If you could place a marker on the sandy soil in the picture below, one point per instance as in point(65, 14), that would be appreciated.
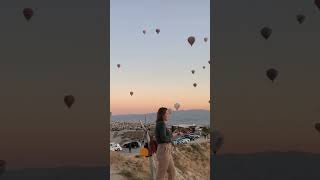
point(192, 162)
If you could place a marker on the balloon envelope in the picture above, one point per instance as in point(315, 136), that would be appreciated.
point(158, 31)
point(191, 40)
point(28, 13)
point(177, 106)
point(218, 140)
point(118, 65)
point(193, 71)
point(195, 84)
point(317, 3)
point(203, 67)
point(144, 31)
point(317, 127)
point(301, 18)
point(2, 166)
point(131, 93)
point(205, 39)
point(266, 32)
point(69, 100)
point(272, 74)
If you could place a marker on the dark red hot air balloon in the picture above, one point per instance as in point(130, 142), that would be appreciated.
point(28, 13)
point(158, 31)
point(266, 32)
point(301, 18)
point(203, 67)
point(272, 74)
point(69, 100)
point(317, 127)
point(193, 71)
point(218, 140)
point(131, 93)
point(191, 40)
point(2, 167)
point(205, 39)
point(317, 3)
point(194, 84)
point(144, 31)
point(118, 65)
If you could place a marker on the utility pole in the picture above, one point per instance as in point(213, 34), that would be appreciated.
point(145, 119)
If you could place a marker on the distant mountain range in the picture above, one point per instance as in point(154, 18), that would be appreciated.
point(268, 166)
point(196, 116)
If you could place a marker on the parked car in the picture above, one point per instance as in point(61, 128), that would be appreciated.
point(115, 147)
point(176, 140)
point(191, 137)
point(183, 141)
point(194, 135)
point(134, 144)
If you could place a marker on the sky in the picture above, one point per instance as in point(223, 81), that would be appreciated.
point(253, 113)
point(157, 67)
point(60, 51)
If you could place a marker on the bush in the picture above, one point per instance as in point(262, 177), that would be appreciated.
point(205, 130)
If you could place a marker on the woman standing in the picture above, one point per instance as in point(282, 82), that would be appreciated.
point(164, 149)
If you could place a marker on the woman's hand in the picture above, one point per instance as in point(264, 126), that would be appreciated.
point(174, 134)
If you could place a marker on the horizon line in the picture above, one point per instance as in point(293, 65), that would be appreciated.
point(156, 112)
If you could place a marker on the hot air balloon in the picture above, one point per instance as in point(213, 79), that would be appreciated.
point(144, 31)
point(205, 39)
point(317, 2)
point(177, 106)
point(28, 13)
point(191, 40)
point(203, 67)
point(131, 93)
point(301, 18)
point(218, 140)
point(266, 32)
point(195, 84)
point(118, 65)
point(69, 100)
point(2, 166)
point(193, 71)
point(272, 74)
point(209, 61)
point(317, 126)
point(158, 31)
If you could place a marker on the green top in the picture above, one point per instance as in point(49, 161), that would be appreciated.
point(163, 135)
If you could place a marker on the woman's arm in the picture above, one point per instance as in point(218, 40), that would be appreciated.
point(163, 133)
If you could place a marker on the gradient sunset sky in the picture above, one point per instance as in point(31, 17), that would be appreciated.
point(157, 67)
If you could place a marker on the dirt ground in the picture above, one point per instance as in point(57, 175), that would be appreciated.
point(192, 162)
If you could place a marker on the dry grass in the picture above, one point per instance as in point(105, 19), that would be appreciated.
point(133, 135)
point(191, 162)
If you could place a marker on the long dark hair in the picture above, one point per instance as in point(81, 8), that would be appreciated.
point(161, 112)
